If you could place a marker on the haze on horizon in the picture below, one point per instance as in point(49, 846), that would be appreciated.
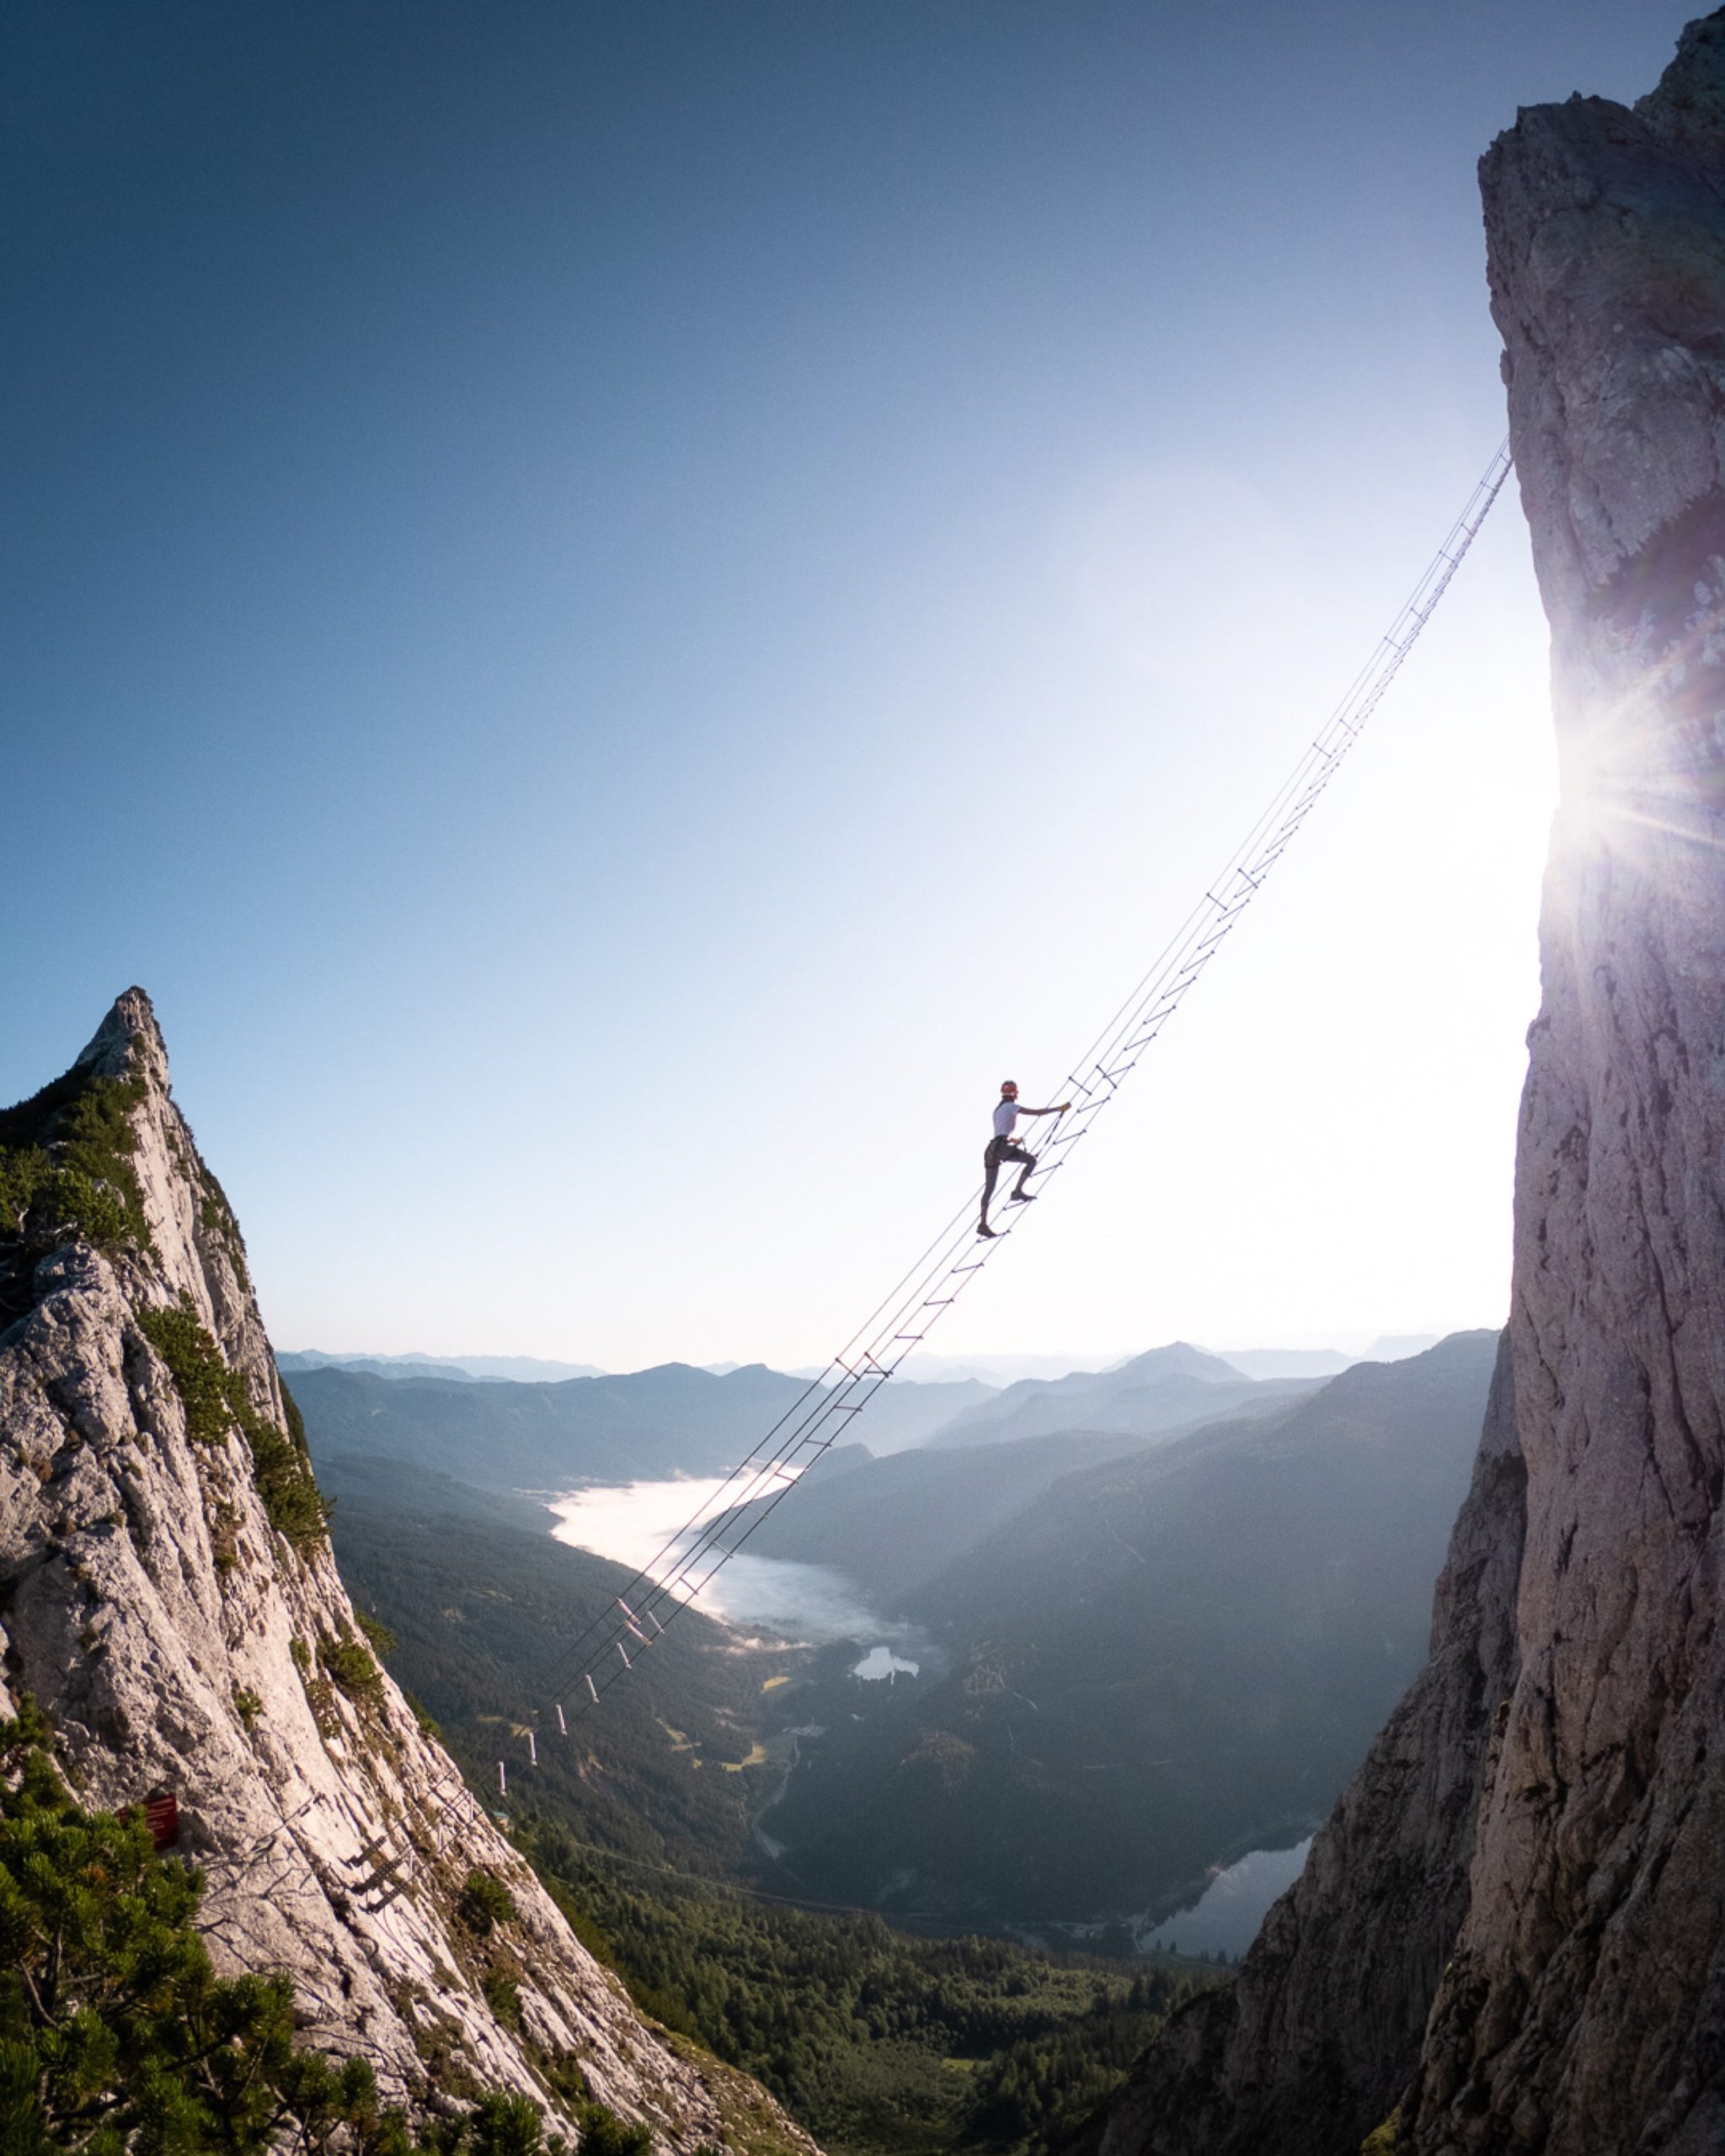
point(620, 610)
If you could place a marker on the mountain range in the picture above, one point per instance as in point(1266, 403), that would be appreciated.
point(1244, 1566)
point(1164, 1389)
point(523, 1369)
point(674, 1420)
point(1144, 1667)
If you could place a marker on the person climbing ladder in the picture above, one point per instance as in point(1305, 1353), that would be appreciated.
point(610, 1646)
point(1001, 1148)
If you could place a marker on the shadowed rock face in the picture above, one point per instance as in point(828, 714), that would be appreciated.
point(1583, 2009)
point(1533, 1849)
point(180, 1640)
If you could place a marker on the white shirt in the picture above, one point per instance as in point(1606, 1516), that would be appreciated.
point(1005, 1118)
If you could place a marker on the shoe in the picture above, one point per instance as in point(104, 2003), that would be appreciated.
point(985, 1229)
point(1023, 1198)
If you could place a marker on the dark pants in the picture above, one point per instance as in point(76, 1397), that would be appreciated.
point(996, 1150)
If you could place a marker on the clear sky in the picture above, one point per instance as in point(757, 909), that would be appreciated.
point(620, 607)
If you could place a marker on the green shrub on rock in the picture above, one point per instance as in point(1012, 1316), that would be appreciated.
point(603, 2133)
point(485, 1902)
point(349, 1662)
point(66, 1163)
point(217, 1402)
point(199, 1375)
point(115, 2032)
point(117, 2037)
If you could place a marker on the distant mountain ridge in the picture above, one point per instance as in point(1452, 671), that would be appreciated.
point(648, 1425)
point(893, 1525)
point(518, 1369)
point(1289, 1362)
point(1164, 1390)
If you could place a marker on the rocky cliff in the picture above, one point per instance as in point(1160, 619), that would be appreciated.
point(167, 1592)
point(1511, 1936)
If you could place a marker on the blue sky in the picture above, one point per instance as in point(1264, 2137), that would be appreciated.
point(621, 608)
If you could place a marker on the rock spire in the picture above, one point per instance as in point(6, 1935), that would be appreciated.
point(167, 1592)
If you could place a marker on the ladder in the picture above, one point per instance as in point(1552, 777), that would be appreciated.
point(955, 1260)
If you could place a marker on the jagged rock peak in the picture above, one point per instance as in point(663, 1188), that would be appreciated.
point(168, 1594)
point(129, 1038)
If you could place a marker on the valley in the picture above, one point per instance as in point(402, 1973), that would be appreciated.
point(1117, 1661)
point(1082, 1691)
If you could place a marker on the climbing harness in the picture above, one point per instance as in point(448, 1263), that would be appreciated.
point(636, 1619)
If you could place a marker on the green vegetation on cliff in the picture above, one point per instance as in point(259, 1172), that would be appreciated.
point(215, 1401)
point(65, 1164)
point(477, 1611)
point(117, 2038)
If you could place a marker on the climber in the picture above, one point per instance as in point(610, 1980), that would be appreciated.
point(1001, 1148)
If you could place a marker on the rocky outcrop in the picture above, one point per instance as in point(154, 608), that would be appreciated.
point(1512, 1934)
point(1315, 2042)
point(168, 1594)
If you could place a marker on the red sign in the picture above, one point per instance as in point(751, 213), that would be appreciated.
point(162, 1818)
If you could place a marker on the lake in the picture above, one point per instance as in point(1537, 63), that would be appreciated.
point(1226, 1917)
point(637, 1523)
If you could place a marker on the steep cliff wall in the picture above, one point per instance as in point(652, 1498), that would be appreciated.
point(168, 1594)
point(1532, 1850)
point(1585, 2006)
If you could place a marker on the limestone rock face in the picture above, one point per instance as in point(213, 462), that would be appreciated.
point(182, 1643)
point(1513, 1930)
point(1585, 2006)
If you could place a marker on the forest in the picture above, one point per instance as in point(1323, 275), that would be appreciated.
point(879, 2042)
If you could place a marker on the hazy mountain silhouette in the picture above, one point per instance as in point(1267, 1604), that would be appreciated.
point(894, 1524)
point(1291, 1361)
point(1156, 1664)
point(1165, 1389)
point(673, 1420)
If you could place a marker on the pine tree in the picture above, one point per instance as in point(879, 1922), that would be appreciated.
point(117, 2037)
